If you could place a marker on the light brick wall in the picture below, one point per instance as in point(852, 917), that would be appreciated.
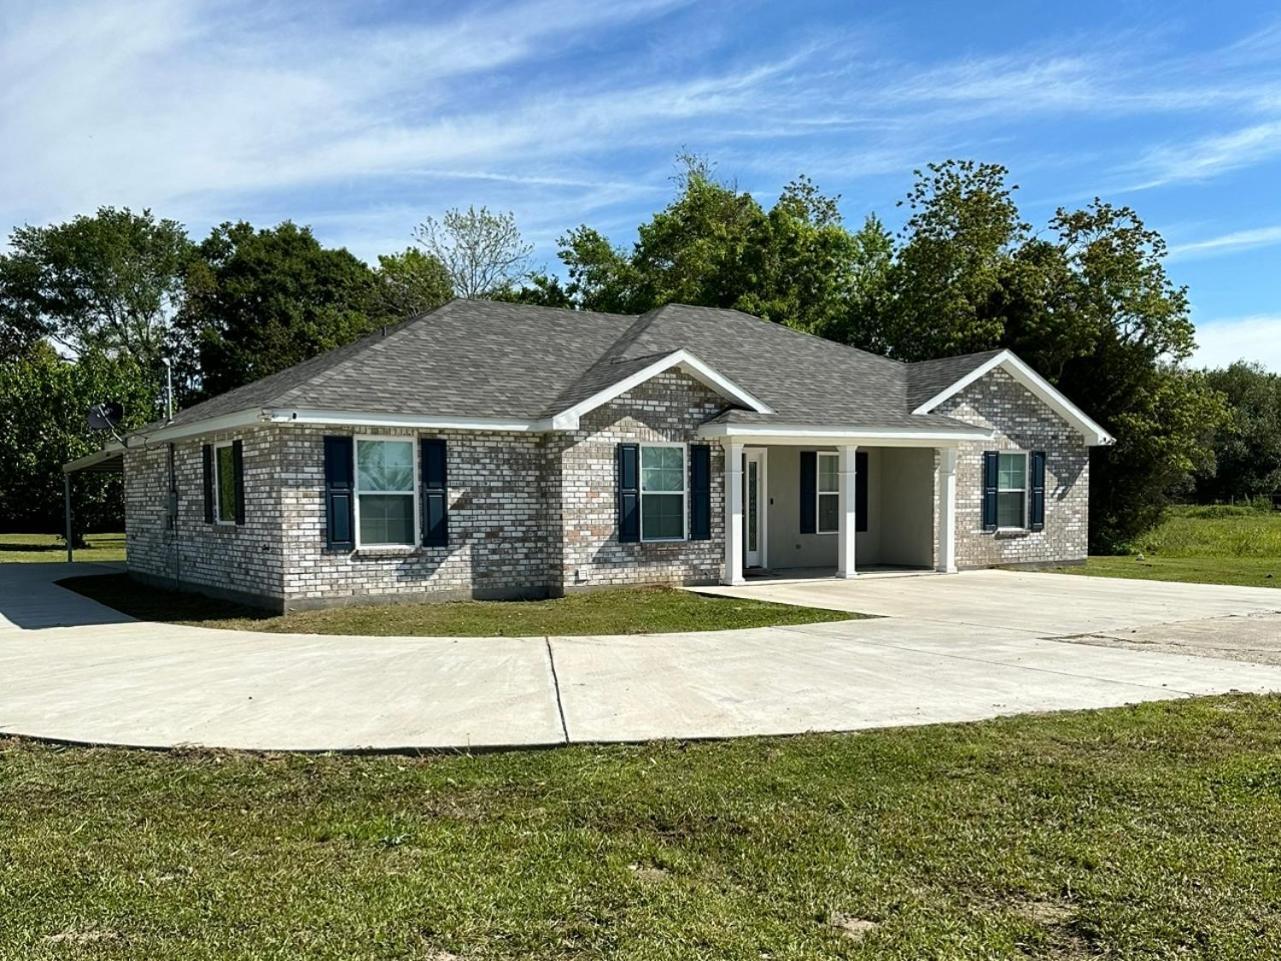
point(1022, 423)
point(582, 497)
point(497, 531)
point(533, 514)
point(231, 559)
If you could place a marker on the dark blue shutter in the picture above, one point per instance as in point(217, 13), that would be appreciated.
point(238, 465)
point(860, 490)
point(991, 475)
point(433, 458)
point(700, 492)
point(206, 463)
point(339, 497)
point(1036, 500)
point(809, 491)
point(628, 493)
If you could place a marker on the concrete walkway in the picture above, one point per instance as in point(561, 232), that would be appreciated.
point(947, 649)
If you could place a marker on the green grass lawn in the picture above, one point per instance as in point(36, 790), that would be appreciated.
point(1208, 545)
point(50, 549)
point(1144, 832)
point(642, 610)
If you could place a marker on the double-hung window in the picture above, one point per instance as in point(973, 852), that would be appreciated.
point(828, 492)
point(662, 492)
point(225, 483)
point(385, 492)
point(1011, 491)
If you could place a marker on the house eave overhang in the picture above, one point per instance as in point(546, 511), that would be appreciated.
point(805, 435)
point(683, 360)
point(1094, 435)
point(364, 418)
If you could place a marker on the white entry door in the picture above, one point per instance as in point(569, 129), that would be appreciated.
point(754, 508)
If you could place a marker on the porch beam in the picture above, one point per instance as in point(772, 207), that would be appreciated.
point(847, 530)
point(947, 510)
point(733, 573)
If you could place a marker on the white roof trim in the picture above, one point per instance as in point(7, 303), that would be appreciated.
point(1094, 435)
point(683, 359)
point(364, 418)
point(869, 436)
point(240, 418)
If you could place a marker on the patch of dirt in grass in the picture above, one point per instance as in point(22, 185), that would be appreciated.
point(1066, 943)
point(854, 928)
point(650, 873)
point(90, 935)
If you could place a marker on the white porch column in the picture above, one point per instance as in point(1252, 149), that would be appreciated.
point(846, 532)
point(947, 511)
point(733, 514)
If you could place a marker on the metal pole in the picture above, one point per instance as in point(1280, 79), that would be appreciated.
point(66, 503)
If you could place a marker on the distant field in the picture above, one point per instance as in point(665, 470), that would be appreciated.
point(1207, 545)
point(49, 548)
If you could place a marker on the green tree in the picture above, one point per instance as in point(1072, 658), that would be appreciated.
point(258, 301)
point(44, 402)
point(110, 282)
point(963, 229)
point(1247, 445)
point(410, 283)
point(1089, 305)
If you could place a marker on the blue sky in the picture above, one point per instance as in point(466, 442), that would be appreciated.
point(362, 119)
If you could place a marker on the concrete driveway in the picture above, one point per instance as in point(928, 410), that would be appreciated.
point(951, 648)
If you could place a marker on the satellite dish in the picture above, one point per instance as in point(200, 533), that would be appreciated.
point(105, 416)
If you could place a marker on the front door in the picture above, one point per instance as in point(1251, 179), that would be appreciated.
point(754, 508)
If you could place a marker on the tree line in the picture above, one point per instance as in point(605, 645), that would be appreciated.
point(94, 307)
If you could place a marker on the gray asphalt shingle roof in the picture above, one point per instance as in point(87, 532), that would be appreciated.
point(472, 358)
point(928, 377)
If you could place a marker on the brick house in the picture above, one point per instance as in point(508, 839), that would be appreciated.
point(497, 450)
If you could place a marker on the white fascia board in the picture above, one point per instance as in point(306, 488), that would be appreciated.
point(358, 418)
point(801, 435)
point(240, 418)
point(700, 371)
point(1094, 435)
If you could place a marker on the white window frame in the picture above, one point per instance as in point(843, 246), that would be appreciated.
point(217, 485)
point(1025, 489)
point(819, 493)
point(415, 535)
point(684, 492)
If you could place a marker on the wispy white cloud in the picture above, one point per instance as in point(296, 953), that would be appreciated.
point(1207, 157)
point(1227, 243)
point(1254, 338)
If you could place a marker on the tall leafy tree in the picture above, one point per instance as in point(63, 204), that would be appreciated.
point(1247, 444)
point(258, 301)
point(410, 283)
point(44, 400)
point(962, 230)
point(110, 283)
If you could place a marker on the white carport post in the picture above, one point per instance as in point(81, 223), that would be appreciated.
point(947, 510)
point(733, 514)
point(846, 530)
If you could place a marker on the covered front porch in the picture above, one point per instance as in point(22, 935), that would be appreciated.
point(796, 507)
